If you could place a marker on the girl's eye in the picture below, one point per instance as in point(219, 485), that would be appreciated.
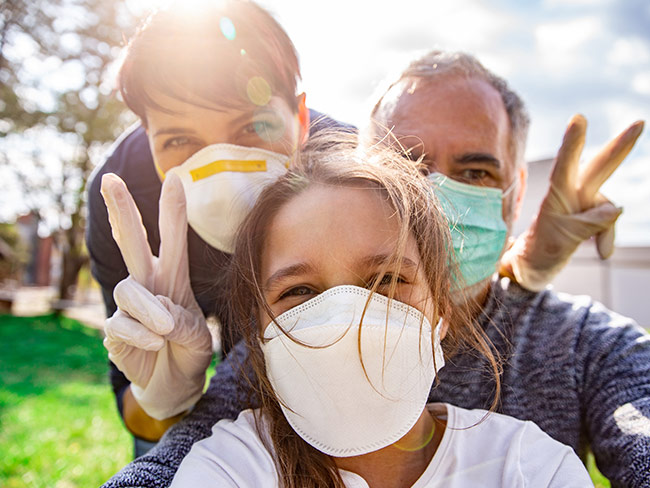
point(385, 280)
point(297, 291)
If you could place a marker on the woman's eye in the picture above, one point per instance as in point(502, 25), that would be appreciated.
point(269, 128)
point(177, 142)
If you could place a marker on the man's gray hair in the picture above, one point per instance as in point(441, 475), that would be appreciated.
point(437, 63)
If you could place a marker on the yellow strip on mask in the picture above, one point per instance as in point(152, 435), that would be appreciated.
point(240, 166)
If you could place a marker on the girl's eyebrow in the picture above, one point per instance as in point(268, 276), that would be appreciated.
point(382, 259)
point(288, 271)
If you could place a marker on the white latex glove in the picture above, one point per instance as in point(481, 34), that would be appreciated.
point(572, 211)
point(158, 336)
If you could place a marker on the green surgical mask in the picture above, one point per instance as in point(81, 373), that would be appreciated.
point(475, 218)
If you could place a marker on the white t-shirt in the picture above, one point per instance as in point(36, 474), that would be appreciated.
point(499, 452)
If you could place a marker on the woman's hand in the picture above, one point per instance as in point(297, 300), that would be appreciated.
point(158, 336)
point(572, 211)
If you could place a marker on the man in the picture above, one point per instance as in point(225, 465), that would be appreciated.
point(211, 74)
point(581, 372)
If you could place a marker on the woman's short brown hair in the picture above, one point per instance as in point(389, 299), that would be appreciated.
point(207, 56)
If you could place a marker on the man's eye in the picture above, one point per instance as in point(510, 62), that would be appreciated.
point(297, 291)
point(474, 175)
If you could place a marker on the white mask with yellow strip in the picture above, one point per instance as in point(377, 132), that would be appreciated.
point(222, 183)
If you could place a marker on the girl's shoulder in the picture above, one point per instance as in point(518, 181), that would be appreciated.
point(480, 446)
point(234, 455)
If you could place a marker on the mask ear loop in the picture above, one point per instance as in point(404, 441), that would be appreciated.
point(511, 187)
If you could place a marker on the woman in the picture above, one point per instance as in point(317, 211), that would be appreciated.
point(343, 265)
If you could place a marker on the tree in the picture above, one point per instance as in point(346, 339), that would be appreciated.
point(58, 110)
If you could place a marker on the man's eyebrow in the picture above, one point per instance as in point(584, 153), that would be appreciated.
point(286, 272)
point(479, 157)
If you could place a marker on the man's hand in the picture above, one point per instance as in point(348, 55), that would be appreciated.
point(158, 336)
point(572, 211)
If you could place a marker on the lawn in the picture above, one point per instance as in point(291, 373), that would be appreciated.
point(58, 423)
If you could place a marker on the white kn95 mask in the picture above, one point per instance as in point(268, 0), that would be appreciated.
point(324, 392)
point(221, 184)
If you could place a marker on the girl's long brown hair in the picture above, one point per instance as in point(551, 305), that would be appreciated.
point(334, 160)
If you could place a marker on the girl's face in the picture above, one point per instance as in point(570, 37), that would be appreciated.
point(183, 128)
point(331, 236)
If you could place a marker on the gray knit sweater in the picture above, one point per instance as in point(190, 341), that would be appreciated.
point(581, 372)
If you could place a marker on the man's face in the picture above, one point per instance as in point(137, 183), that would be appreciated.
point(461, 127)
point(184, 128)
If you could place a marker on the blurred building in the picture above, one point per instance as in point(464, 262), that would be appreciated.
point(621, 282)
point(44, 265)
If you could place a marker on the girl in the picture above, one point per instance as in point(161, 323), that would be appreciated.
point(343, 265)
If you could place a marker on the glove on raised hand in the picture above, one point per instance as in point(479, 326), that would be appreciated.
point(158, 336)
point(572, 210)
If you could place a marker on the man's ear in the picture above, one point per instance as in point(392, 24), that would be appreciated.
point(522, 174)
point(303, 119)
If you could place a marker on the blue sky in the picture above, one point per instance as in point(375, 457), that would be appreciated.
point(562, 56)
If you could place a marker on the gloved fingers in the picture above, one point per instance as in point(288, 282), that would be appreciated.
point(137, 365)
point(565, 171)
point(121, 327)
point(605, 239)
point(580, 226)
point(601, 167)
point(190, 329)
point(605, 242)
point(173, 279)
point(134, 299)
point(128, 231)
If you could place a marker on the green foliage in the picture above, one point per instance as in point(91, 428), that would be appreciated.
point(59, 426)
point(58, 108)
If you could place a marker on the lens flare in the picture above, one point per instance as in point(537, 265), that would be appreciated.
point(227, 28)
point(258, 91)
point(269, 124)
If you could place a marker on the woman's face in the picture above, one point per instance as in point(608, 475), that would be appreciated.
point(331, 236)
point(182, 129)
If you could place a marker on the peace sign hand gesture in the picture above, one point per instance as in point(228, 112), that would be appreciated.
point(158, 336)
point(572, 211)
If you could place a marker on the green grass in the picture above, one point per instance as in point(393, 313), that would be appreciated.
point(599, 480)
point(58, 423)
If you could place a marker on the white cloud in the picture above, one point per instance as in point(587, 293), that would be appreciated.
point(629, 52)
point(641, 84)
point(560, 44)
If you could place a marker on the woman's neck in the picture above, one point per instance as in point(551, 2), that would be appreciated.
point(402, 463)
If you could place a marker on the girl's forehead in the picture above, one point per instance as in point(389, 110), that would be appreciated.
point(333, 224)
